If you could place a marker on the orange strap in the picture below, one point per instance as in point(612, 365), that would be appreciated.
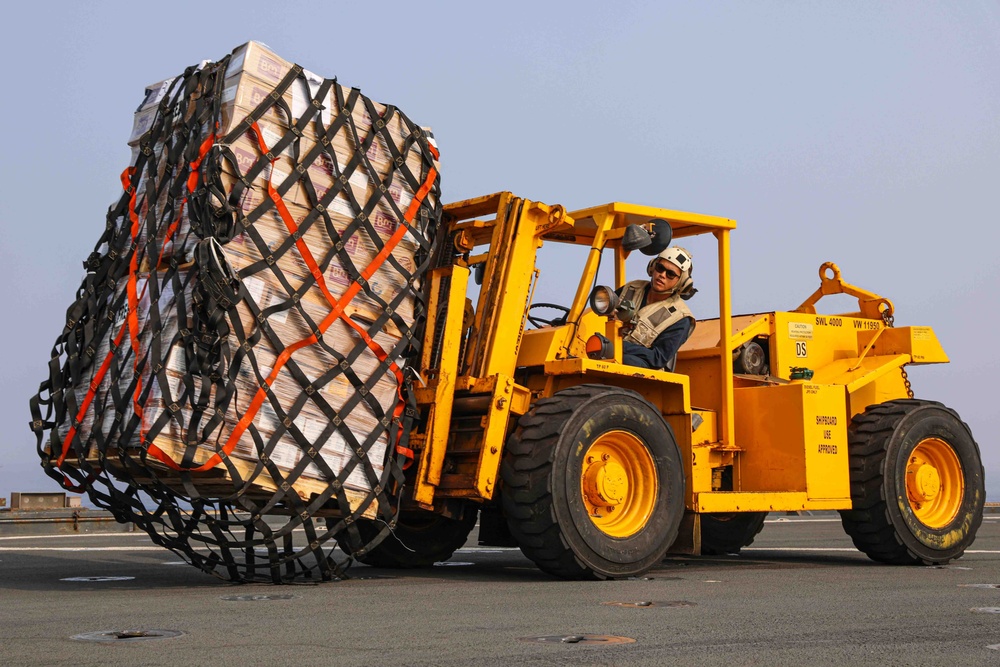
point(133, 303)
point(133, 298)
point(95, 384)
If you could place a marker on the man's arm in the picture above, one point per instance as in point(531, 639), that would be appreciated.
point(661, 351)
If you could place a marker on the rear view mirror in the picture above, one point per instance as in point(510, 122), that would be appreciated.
point(660, 235)
point(635, 238)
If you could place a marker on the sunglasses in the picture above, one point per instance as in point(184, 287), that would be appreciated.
point(661, 268)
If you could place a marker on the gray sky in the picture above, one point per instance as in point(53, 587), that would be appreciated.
point(858, 132)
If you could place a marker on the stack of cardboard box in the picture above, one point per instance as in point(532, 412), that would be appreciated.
point(331, 400)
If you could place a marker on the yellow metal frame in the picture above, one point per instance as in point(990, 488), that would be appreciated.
point(750, 443)
point(429, 470)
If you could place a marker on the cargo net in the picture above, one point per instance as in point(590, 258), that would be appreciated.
point(232, 377)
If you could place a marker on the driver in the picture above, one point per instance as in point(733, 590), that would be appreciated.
point(662, 321)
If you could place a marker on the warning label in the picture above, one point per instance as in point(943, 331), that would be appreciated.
point(800, 330)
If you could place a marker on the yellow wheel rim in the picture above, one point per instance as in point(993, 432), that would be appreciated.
point(935, 484)
point(618, 483)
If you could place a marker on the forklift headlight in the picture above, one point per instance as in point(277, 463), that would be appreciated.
point(603, 300)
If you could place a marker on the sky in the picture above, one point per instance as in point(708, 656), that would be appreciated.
point(864, 133)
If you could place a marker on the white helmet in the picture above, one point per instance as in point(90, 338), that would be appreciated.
point(682, 259)
point(677, 256)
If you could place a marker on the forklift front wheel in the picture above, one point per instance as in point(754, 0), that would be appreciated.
point(593, 484)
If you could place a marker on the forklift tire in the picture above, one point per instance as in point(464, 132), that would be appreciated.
point(577, 454)
point(728, 532)
point(419, 539)
point(917, 484)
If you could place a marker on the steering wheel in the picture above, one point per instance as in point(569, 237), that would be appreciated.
point(540, 322)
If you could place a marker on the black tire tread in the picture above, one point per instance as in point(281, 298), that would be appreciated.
point(524, 471)
point(407, 549)
point(868, 523)
point(717, 540)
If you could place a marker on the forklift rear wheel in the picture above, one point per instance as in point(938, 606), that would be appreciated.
point(728, 532)
point(419, 539)
point(593, 484)
point(917, 484)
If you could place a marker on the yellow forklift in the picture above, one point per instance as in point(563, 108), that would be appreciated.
point(596, 469)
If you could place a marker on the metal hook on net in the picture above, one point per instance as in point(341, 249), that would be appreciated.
point(216, 274)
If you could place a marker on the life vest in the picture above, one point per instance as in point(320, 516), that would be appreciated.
point(653, 319)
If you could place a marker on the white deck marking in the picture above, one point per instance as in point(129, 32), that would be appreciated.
point(968, 551)
point(73, 536)
point(136, 548)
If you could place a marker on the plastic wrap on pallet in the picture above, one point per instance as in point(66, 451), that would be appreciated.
point(239, 346)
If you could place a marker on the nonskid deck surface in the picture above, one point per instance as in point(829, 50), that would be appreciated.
point(801, 594)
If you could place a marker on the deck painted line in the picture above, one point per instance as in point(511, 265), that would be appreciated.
point(968, 551)
point(799, 519)
point(800, 549)
point(136, 548)
point(136, 535)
